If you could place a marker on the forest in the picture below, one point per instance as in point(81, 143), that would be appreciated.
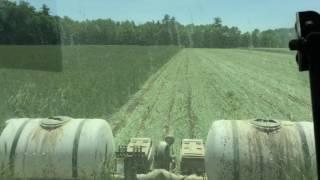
point(21, 23)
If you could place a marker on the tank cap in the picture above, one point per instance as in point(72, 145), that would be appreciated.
point(266, 124)
point(54, 122)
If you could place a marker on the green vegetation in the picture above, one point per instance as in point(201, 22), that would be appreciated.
point(275, 50)
point(48, 58)
point(150, 91)
point(2, 126)
point(96, 80)
point(199, 86)
point(169, 31)
point(191, 90)
point(139, 77)
point(22, 24)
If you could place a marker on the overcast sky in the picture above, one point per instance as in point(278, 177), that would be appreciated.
point(245, 14)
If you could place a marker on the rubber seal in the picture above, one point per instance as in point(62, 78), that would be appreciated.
point(54, 122)
point(266, 124)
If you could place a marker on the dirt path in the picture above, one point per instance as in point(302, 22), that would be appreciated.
point(198, 86)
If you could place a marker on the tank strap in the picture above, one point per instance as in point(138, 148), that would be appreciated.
point(75, 150)
point(12, 155)
point(305, 147)
point(236, 155)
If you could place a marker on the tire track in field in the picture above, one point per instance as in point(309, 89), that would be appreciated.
point(167, 127)
point(167, 108)
point(134, 103)
point(147, 114)
point(135, 122)
point(192, 118)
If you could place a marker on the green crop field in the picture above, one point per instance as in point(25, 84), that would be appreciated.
point(152, 91)
point(198, 86)
point(274, 50)
point(96, 80)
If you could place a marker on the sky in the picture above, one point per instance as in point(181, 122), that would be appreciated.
point(245, 14)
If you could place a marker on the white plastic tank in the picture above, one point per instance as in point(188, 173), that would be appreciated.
point(58, 147)
point(260, 149)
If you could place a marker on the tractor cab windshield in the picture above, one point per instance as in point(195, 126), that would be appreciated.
point(143, 89)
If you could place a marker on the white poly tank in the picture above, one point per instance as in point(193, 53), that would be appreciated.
point(260, 149)
point(58, 147)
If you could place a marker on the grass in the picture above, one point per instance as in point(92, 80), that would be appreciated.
point(48, 58)
point(96, 80)
point(274, 50)
point(155, 91)
point(136, 86)
point(199, 86)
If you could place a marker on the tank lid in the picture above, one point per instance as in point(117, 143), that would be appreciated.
point(266, 124)
point(54, 122)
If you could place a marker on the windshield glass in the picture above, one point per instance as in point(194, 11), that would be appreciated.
point(154, 69)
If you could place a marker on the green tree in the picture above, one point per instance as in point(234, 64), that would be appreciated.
point(23, 24)
point(245, 40)
point(45, 10)
point(255, 38)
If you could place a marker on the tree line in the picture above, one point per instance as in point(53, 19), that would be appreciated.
point(20, 23)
